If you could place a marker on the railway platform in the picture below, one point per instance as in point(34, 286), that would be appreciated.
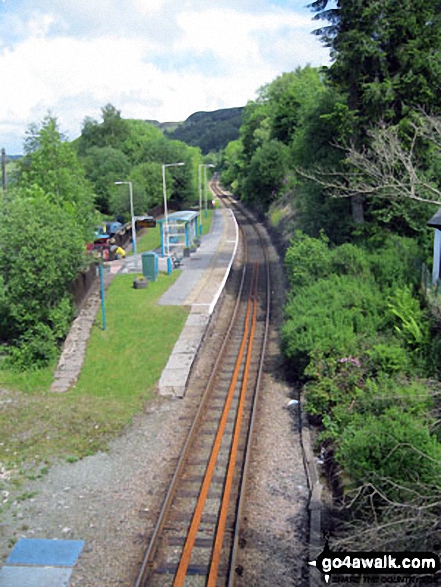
point(200, 285)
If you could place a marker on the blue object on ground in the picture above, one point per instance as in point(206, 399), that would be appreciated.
point(41, 552)
point(34, 577)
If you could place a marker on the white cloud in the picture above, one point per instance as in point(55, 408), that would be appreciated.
point(205, 59)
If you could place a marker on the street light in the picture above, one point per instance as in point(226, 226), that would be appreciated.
point(131, 212)
point(200, 194)
point(164, 189)
point(205, 185)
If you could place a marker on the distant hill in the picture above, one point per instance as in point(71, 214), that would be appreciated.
point(211, 131)
point(169, 127)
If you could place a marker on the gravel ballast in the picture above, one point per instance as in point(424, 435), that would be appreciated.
point(111, 500)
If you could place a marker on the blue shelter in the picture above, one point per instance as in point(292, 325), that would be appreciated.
point(183, 228)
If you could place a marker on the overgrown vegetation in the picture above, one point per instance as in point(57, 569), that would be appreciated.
point(348, 156)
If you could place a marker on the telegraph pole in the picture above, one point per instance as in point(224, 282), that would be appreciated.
point(4, 172)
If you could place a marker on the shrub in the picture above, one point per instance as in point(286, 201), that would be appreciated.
point(387, 357)
point(348, 259)
point(408, 319)
point(393, 262)
point(394, 446)
point(307, 260)
point(329, 316)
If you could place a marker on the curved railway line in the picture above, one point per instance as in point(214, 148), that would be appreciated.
point(196, 536)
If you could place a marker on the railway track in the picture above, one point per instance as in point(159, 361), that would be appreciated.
point(196, 537)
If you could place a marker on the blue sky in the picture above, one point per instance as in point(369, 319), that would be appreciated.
point(152, 59)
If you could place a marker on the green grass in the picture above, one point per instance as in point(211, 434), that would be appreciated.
point(121, 369)
point(149, 241)
point(206, 221)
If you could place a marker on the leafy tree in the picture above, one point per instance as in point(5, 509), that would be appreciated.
point(232, 164)
point(291, 97)
point(144, 142)
point(111, 132)
point(52, 165)
point(266, 173)
point(146, 180)
point(385, 55)
point(104, 166)
point(42, 248)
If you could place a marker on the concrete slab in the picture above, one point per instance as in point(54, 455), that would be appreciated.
point(42, 552)
point(34, 577)
point(180, 361)
point(198, 320)
point(174, 378)
point(189, 345)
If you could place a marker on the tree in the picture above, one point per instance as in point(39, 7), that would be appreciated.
point(112, 132)
point(386, 59)
point(399, 172)
point(42, 250)
point(266, 173)
point(146, 179)
point(52, 165)
point(104, 166)
point(386, 55)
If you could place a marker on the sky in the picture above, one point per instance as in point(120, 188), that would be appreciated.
point(152, 59)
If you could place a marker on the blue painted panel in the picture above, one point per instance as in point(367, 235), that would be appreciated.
point(37, 551)
point(34, 577)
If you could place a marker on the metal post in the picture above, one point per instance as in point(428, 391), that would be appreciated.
point(165, 224)
point(103, 307)
point(200, 196)
point(205, 189)
point(133, 218)
point(4, 172)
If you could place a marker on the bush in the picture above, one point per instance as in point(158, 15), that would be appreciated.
point(393, 262)
point(42, 251)
point(33, 350)
point(329, 316)
point(393, 446)
point(387, 357)
point(307, 259)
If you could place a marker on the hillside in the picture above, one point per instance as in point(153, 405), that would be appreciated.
point(211, 131)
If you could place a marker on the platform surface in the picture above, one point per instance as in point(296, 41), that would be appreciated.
point(199, 287)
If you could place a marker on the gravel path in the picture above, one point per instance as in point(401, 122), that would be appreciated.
point(111, 500)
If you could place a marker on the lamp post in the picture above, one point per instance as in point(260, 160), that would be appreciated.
point(200, 194)
point(205, 185)
point(164, 189)
point(131, 212)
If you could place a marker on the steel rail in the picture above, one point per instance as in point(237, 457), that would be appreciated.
point(150, 552)
point(247, 339)
point(246, 459)
point(226, 499)
point(197, 516)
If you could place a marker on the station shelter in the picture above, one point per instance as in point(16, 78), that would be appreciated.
point(183, 228)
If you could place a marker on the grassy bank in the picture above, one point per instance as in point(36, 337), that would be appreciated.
point(121, 369)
